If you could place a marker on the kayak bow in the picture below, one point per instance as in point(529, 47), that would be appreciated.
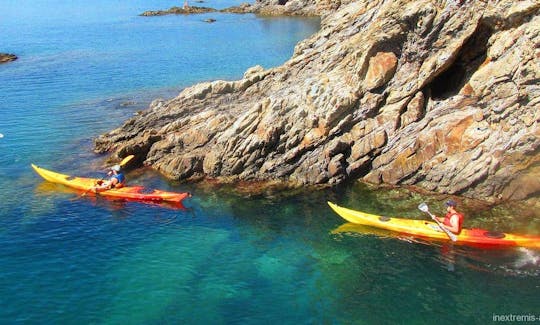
point(429, 229)
point(128, 192)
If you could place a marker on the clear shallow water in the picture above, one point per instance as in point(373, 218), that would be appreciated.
point(83, 69)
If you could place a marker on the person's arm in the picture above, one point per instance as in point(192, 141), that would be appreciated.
point(102, 186)
point(107, 185)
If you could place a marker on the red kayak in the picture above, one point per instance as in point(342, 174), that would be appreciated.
point(137, 193)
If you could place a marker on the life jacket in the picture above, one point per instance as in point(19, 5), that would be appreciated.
point(449, 216)
point(121, 180)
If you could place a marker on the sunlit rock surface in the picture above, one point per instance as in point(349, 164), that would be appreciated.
point(444, 95)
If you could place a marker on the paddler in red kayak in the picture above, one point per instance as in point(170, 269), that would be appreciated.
point(453, 219)
point(116, 180)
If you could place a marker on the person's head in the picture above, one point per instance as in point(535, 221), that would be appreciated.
point(115, 168)
point(451, 204)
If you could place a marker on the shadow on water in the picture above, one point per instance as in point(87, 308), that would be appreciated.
point(516, 261)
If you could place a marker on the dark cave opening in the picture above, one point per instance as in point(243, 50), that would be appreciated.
point(449, 82)
point(282, 2)
point(470, 57)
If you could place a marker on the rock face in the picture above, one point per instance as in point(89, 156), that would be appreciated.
point(5, 57)
point(444, 95)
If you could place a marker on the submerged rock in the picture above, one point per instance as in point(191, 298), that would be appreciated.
point(444, 95)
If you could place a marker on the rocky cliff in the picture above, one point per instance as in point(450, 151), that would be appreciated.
point(444, 95)
point(298, 7)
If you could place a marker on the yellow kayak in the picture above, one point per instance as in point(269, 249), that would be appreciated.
point(429, 229)
point(136, 193)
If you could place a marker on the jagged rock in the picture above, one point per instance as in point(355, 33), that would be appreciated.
point(382, 67)
point(297, 7)
point(244, 8)
point(178, 11)
point(439, 94)
point(5, 57)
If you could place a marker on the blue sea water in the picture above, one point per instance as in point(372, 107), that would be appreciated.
point(86, 66)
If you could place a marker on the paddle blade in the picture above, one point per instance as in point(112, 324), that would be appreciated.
point(423, 207)
point(126, 160)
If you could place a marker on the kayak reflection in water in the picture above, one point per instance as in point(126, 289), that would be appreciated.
point(453, 219)
point(116, 180)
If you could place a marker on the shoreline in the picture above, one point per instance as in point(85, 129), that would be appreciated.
point(259, 9)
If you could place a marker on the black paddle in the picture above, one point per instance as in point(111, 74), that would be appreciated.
point(424, 208)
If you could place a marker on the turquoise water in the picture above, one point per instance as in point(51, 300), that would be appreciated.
point(84, 68)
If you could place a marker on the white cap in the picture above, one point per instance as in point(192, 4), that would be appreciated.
point(116, 168)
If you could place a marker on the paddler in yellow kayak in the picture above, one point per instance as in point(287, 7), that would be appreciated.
point(116, 180)
point(453, 219)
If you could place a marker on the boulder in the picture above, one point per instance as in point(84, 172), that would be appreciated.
point(6, 57)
